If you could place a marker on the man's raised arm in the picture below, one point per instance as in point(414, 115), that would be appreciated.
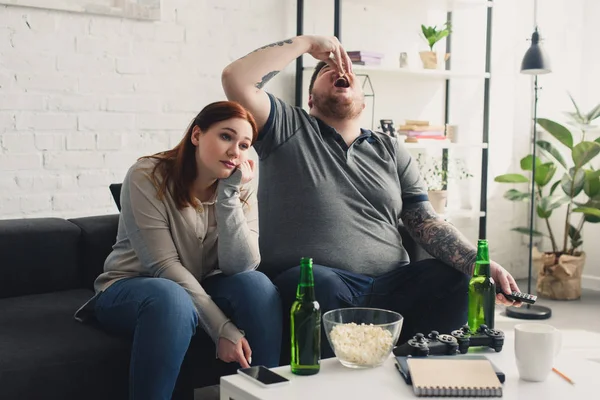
point(244, 78)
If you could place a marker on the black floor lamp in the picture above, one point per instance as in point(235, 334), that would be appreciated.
point(535, 62)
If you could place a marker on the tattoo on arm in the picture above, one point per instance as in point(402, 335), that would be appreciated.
point(281, 43)
point(438, 237)
point(265, 79)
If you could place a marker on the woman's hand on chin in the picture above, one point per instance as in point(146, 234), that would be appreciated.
point(247, 169)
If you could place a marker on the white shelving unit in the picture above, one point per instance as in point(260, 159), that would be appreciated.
point(418, 73)
point(414, 78)
point(443, 144)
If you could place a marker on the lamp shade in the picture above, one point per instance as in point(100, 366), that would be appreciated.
point(535, 61)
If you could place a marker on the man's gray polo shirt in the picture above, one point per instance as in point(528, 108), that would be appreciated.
point(320, 198)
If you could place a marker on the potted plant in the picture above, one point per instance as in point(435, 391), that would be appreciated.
point(436, 178)
point(569, 182)
point(433, 35)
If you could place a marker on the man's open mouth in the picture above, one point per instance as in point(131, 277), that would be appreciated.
point(342, 82)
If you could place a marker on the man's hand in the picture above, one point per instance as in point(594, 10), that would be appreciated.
point(240, 352)
point(247, 168)
point(330, 50)
point(504, 280)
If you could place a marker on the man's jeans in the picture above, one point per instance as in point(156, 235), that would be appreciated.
point(429, 295)
point(160, 317)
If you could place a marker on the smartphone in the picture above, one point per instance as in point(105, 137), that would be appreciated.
point(263, 376)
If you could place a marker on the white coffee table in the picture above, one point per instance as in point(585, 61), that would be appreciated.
point(335, 381)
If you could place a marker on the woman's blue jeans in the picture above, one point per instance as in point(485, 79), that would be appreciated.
point(158, 314)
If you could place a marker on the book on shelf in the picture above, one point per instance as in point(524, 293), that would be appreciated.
point(365, 59)
point(365, 62)
point(416, 139)
point(421, 128)
point(363, 53)
point(416, 122)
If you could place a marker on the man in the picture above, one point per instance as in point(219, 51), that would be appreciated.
point(336, 193)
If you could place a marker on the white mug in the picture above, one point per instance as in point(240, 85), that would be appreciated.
point(536, 346)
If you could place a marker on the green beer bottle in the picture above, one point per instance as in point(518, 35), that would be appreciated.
point(305, 324)
point(482, 291)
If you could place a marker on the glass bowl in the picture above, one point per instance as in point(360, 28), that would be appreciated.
point(362, 337)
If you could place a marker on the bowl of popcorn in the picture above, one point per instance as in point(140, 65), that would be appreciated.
point(362, 337)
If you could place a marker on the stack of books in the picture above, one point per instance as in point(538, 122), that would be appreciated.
point(365, 57)
point(416, 130)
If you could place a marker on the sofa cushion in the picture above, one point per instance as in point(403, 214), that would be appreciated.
point(46, 354)
point(39, 255)
point(98, 234)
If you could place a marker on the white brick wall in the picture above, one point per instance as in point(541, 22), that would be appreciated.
point(83, 96)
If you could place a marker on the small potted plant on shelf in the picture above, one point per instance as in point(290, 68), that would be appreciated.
point(433, 35)
point(570, 182)
point(436, 178)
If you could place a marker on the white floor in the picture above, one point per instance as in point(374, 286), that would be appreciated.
point(576, 314)
point(581, 314)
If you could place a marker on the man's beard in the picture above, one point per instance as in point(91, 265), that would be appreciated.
point(338, 107)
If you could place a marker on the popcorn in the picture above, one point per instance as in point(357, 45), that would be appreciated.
point(361, 344)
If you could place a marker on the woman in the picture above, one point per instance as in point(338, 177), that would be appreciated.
point(186, 250)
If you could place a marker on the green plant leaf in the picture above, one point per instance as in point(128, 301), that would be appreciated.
point(588, 211)
point(441, 35)
point(592, 219)
point(555, 202)
point(544, 173)
point(576, 244)
point(511, 178)
point(551, 150)
point(593, 204)
point(584, 152)
point(577, 111)
point(527, 162)
point(592, 115)
point(554, 186)
point(557, 130)
point(542, 208)
point(573, 234)
point(525, 231)
point(547, 204)
point(575, 182)
point(591, 186)
point(576, 117)
point(515, 195)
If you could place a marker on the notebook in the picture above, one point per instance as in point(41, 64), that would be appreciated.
point(453, 377)
point(402, 365)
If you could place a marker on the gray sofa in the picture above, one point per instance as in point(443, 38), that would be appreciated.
point(47, 269)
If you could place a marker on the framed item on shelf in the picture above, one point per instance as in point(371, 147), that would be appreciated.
point(387, 127)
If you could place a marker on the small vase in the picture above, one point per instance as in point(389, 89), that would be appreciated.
point(429, 59)
point(438, 198)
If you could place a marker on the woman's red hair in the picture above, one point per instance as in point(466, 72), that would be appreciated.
point(177, 167)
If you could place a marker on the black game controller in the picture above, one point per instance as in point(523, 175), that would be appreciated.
point(432, 344)
point(483, 337)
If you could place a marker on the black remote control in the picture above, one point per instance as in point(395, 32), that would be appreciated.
point(518, 296)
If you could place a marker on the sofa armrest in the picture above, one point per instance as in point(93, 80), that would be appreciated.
point(415, 251)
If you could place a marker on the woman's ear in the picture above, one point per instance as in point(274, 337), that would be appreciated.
point(195, 134)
